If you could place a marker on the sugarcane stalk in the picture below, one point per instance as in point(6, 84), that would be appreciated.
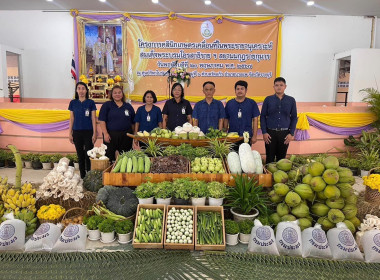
point(18, 162)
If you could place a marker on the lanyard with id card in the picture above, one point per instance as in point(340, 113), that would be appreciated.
point(240, 114)
point(126, 112)
point(183, 110)
point(148, 118)
point(87, 113)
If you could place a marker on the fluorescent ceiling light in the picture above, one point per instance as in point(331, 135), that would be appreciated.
point(310, 3)
point(49, 0)
point(155, 1)
point(102, 0)
point(207, 2)
point(258, 3)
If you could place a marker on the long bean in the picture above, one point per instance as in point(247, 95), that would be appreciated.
point(209, 228)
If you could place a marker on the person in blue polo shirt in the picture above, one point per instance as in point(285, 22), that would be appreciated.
point(148, 116)
point(82, 128)
point(278, 121)
point(242, 113)
point(208, 112)
point(116, 120)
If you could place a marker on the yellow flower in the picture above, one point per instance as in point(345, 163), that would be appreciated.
point(117, 78)
point(110, 81)
point(85, 81)
point(174, 79)
point(82, 77)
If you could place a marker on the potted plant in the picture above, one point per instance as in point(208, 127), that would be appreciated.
point(163, 192)
point(46, 162)
point(247, 198)
point(216, 191)
point(144, 193)
point(124, 229)
point(107, 231)
point(198, 193)
point(181, 191)
point(92, 227)
point(245, 228)
point(55, 159)
point(368, 160)
point(232, 232)
point(3, 157)
point(36, 163)
point(27, 158)
point(10, 159)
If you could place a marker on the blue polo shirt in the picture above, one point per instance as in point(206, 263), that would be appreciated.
point(82, 113)
point(117, 119)
point(142, 118)
point(248, 109)
point(208, 115)
point(278, 113)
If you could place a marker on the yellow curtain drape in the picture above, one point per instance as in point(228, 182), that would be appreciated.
point(138, 98)
point(344, 119)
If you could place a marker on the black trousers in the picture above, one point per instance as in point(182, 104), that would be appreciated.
point(276, 149)
point(83, 143)
point(119, 142)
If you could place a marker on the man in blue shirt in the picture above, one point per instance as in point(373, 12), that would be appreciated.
point(208, 112)
point(278, 121)
point(242, 113)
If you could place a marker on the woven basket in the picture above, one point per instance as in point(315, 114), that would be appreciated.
point(99, 164)
point(74, 213)
point(372, 196)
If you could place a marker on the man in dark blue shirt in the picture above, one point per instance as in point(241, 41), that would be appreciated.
point(278, 121)
point(242, 113)
point(208, 112)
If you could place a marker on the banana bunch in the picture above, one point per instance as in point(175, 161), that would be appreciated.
point(15, 199)
point(30, 220)
point(3, 185)
point(2, 210)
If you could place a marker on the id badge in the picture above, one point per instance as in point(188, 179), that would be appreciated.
point(148, 118)
point(87, 113)
point(239, 114)
point(183, 110)
point(126, 112)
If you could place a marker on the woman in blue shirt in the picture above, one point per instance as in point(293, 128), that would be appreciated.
point(82, 128)
point(116, 120)
point(148, 116)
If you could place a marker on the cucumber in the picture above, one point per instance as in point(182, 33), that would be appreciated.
point(134, 164)
point(147, 165)
point(117, 166)
point(123, 165)
point(129, 165)
point(140, 165)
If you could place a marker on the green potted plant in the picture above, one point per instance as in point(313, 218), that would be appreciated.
point(373, 99)
point(3, 157)
point(163, 192)
point(10, 159)
point(144, 193)
point(217, 192)
point(245, 228)
point(368, 160)
point(36, 163)
point(55, 159)
point(27, 158)
point(232, 232)
point(107, 231)
point(247, 198)
point(198, 193)
point(181, 191)
point(92, 227)
point(46, 161)
point(124, 229)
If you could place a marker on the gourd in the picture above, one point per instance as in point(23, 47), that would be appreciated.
point(233, 161)
point(247, 160)
point(256, 154)
point(258, 162)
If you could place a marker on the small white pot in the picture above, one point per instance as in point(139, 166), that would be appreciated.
point(28, 164)
point(244, 238)
point(215, 201)
point(93, 234)
point(146, 200)
point(240, 217)
point(107, 236)
point(232, 239)
point(46, 165)
point(364, 173)
point(165, 201)
point(76, 166)
point(198, 201)
point(124, 238)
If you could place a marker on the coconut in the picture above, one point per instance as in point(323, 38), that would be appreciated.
point(304, 169)
point(294, 175)
point(335, 216)
point(301, 211)
point(321, 196)
point(320, 209)
point(344, 172)
point(182, 135)
point(350, 226)
point(331, 162)
point(330, 176)
point(335, 203)
point(272, 167)
point(325, 223)
point(307, 179)
point(352, 199)
point(317, 184)
point(345, 189)
point(274, 219)
point(282, 209)
point(281, 189)
point(304, 191)
point(316, 168)
point(280, 176)
point(275, 198)
point(292, 199)
point(284, 164)
point(355, 221)
point(304, 223)
point(288, 218)
point(331, 191)
point(350, 211)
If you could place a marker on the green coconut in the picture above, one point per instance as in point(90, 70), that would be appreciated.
point(284, 164)
point(350, 226)
point(317, 184)
point(325, 223)
point(331, 191)
point(304, 223)
point(288, 218)
point(331, 162)
point(335, 216)
point(275, 198)
point(292, 199)
point(282, 209)
point(274, 219)
point(281, 189)
point(304, 191)
point(307, 179)
point(301, 210)
point(280, 176)
point(316, 168)
point(320, 209)
point(330, 176)
point(335, 203)
point(350, 211)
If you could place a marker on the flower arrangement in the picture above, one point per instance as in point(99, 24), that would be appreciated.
point(118, 78)
point(82, 77)
point(50, 212)
point(110, 81)
point(372, 181)
point(180, 75)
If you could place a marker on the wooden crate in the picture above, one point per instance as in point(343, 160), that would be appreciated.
point(177, 246)
point(99, 164)
point(199, 247)
point(150, 245)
